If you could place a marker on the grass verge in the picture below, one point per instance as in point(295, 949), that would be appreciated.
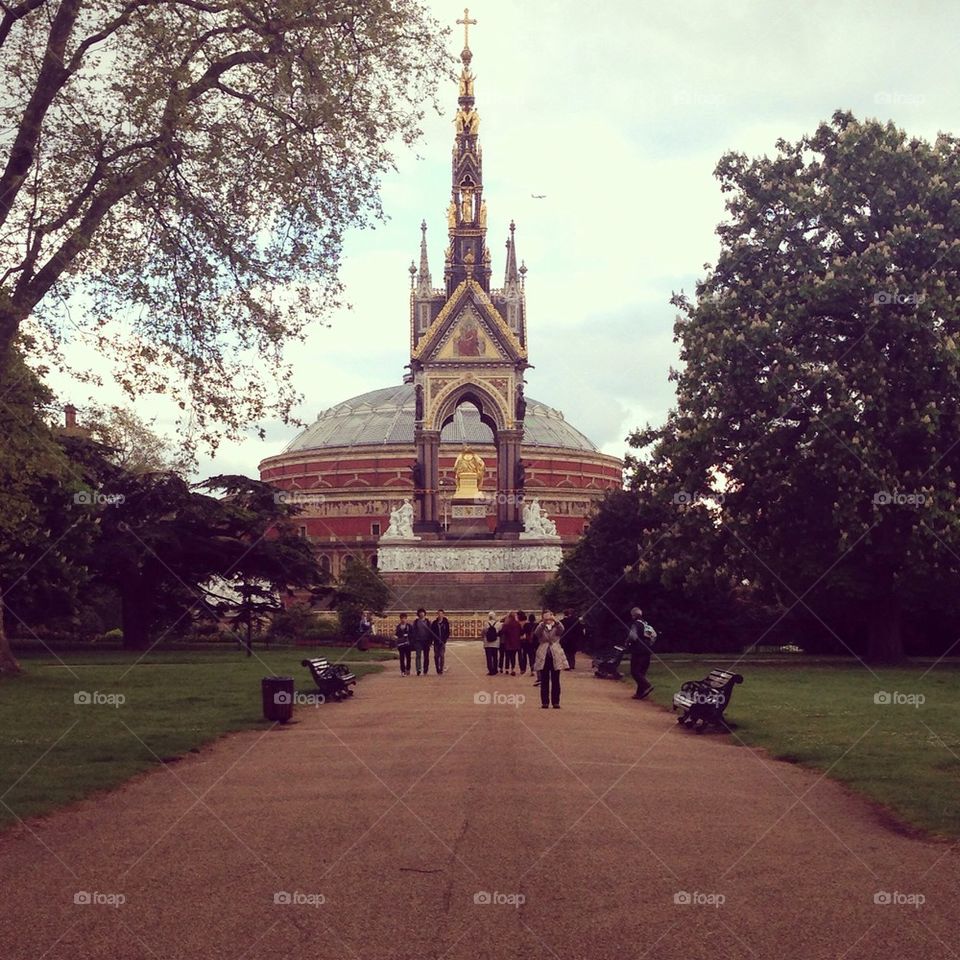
point(901, 750)
point(54, 750)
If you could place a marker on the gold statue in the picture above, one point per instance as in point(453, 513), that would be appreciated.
point(466, 83)
point(483, 213)
point(452, 215)
point(468, 469)
point(467, 121)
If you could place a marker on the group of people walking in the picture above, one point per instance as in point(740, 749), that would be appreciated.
point(418, 638)
point(546, 648)
point(518, 640)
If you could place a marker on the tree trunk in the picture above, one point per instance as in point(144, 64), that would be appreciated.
point(8, 663)
point(884, 630)
point(135, 619)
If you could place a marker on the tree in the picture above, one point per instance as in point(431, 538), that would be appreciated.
point(191, 167)
point(360, 587)
point(155, 548)
point(133, 444)
point(820, 393)
point(35, 477)
point(173, 552)
point(644, 549)
point(261, 556)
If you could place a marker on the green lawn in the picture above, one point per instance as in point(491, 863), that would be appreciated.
point(905, 755)
point(54, 751)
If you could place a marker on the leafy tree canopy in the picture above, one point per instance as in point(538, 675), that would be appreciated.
point(191, 167)
point(819, 397)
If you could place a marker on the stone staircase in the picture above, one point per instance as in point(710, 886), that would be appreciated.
point(466, 593)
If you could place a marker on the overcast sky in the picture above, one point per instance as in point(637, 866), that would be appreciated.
point(618, 113)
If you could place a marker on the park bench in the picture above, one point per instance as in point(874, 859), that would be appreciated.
point(333, 681)
point(703, 701)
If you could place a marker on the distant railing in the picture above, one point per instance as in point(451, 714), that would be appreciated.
point(462, 626)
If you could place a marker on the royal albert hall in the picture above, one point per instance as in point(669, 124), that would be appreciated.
point(463, 389)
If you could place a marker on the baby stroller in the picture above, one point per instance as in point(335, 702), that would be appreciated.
point(607, 665)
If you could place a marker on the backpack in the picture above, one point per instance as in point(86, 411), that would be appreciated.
point(491, 633)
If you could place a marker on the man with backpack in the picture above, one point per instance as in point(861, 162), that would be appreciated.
point(640, 640)
point(491, 644)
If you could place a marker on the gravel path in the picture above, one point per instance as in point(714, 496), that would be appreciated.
point(386, 819)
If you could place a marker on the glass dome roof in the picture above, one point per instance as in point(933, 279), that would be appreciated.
point(386, 417)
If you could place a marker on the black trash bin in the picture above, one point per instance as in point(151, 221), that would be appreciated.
point(277, 694)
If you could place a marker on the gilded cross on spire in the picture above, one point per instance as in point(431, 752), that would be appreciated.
point(467, 23)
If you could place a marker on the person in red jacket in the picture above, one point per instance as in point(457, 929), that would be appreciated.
point(511, 636)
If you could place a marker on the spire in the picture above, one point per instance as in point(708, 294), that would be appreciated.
point(424, 281)
point(467, 212)
point(511, 276)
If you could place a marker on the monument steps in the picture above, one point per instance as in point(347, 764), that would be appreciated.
point(464, 597)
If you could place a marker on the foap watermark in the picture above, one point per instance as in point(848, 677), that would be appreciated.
point(711, 697)
point(95, 898)
point(894, 97)
point(298, 699)
point(884, 698)
point(895, 898)
point(299, 498)
point(483, 698)
point(97, 498)
point(499, 498)
point(885, 498)
point(95, 698)
point(684, 498)
point(696, 898)
point(886, 297)
point(297, 898)
point(484, 898)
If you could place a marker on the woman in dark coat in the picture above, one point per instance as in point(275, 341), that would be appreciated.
point(511, 636)
point(528, 644)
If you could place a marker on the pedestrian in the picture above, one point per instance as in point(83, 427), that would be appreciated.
point(573, 634)
point(522, 653)
point(365, 630)
point(403, 645)
point(640, 640)
point(550, 659)
point(491, 643)
point(441, 634)
point(421, 638)
point(530, 645)
point(511, 637)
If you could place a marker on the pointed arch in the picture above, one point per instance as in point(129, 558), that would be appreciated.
point(492, 412)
